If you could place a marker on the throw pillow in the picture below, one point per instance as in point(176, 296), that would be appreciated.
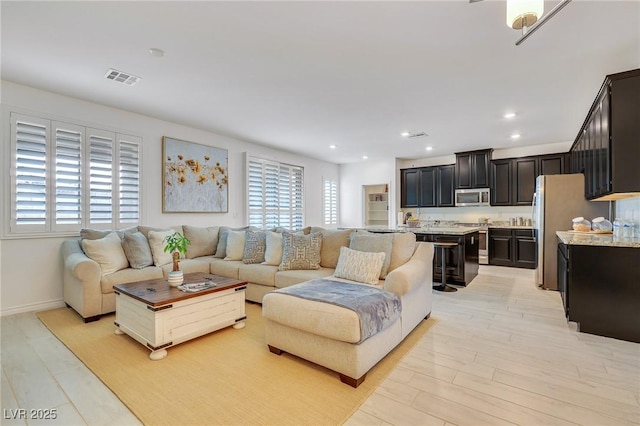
point(235, 245)
point(204, 241)
point(360, 266)
point(221, 248)
point(136, 248)
point(255, 246)
point(300, 251)
point(156, 242)
point(374, 243)
point(402, 248)
point(273, 253)
point(96, 234)
point(332, 240)
point(107, 252)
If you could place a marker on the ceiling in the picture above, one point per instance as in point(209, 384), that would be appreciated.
point(303, 75)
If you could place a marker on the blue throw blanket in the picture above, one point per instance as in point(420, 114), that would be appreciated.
point(376, 308)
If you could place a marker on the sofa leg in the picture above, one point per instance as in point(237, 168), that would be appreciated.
point(275, 350)
point(354, 383)
point(91, 319)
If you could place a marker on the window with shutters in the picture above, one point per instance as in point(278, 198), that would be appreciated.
point(330, 202)
point(275, 194)
point(66, 176)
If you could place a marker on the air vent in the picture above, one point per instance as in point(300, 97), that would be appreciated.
point(417, 135)
point(121, 77)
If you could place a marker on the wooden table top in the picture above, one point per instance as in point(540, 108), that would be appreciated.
point(158, 292)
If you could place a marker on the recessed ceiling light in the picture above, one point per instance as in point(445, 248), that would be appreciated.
point(364, 157)
point(156, 53)
point(510, 115)
point(405, 134)
point(429, 148)
point(332, 146)
point(515, 136)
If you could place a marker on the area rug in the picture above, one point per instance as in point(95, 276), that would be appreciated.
point(228, 377)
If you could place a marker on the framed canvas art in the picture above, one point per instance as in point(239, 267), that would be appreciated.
point(194, 177)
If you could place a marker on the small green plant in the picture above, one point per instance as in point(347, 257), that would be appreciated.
point(175, 244)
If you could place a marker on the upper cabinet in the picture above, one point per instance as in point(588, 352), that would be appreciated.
point(427, 186)
point(513, 180)
point(472, 169)
point(607, 147)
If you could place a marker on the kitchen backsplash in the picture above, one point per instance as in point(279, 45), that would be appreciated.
point(470, 214)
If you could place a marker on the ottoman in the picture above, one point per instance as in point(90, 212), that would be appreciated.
point(326, 334)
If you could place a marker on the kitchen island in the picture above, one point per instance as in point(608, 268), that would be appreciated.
point(462, 261)
point(598, 279)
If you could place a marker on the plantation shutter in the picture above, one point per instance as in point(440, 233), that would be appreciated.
point(101, 169)
point(330, 202)
point(68, 176)
point(29, 177)
point(129, 179)
point(275, 194)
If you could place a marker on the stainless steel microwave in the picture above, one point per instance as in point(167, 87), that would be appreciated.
point(472, 197)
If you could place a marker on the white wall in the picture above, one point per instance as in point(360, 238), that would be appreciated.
point(31, 269)
point(353, 177)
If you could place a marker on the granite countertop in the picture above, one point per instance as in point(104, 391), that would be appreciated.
point(602, 240)
point(436, 230)
point(511, 226)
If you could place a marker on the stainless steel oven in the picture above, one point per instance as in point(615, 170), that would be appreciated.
point(483, 248)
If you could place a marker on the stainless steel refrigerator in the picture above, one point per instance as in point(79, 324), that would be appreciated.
point(558, 199)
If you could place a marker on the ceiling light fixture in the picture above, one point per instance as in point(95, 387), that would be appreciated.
point(527, 15)
point(515, 136)
point(333, 146)
point(364, 157)
point(429, 148)
point(405, 134)
point(157, 53)
point(510, 115)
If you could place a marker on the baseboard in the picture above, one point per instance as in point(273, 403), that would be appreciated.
point(34, 307)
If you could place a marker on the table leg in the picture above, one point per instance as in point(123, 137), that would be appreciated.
point(118, 331)
point(158, 355)
point(239, 325)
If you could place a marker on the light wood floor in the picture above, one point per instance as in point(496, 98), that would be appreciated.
point(501, 353)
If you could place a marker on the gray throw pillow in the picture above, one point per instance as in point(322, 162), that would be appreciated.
point(136, 248)
point(255, 246)
point(374, 243)
point(300, 251)
point(221, 249)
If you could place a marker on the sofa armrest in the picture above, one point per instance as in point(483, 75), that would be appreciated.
point(81, 280)
point(416, 272)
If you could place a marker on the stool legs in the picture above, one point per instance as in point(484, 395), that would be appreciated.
point(443, 286)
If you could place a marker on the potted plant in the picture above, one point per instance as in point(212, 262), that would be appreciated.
point(176, 244)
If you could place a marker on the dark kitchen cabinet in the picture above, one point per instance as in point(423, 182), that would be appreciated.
point(600, 290)
point(427, 186)
point(502, 182)
point(512, 247)
point(606, 149)
point(513, 180)
point(462, 261)
point(472, 169)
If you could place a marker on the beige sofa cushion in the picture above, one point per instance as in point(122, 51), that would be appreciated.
point(107, 252)
point(204, 241)
point(96, 234)
point(287, 278)
point(235, 245)
point(136, 248)
point(223, 236)
point(402, 249)
point(156, 242)
point(128, 275)
point(188, 266)
point(360, 266)
point(332, 240)
point(374, 243)
point(273, 252)
point(258, 274)
point(225, 268)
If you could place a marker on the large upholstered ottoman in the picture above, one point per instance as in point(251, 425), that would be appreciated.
point(330, 335)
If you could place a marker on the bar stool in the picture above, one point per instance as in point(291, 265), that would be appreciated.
point(444, 246)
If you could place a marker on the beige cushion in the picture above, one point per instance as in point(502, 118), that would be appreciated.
point(221, 249)
point(258, 274)
point(129, 275)
point(136, 248)
point(255, 245)
point(96, 234)
point(403, 247)
point(226, 268)
point(156, 242)
point(204, 241)
point(235, 245)
point(300, 251)
point(360, 266)
point(332, 240)
point(145, 229)
point(107, 252)
point(188, 266)
point(374, 243)
point(273, 252)
point(295, 276)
